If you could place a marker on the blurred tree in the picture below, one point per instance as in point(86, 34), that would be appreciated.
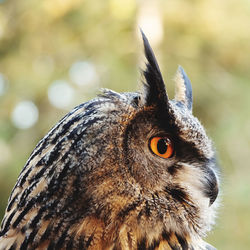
point(56, 54)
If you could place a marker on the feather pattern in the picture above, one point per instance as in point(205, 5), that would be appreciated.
point(155, 86)
point(93, 181)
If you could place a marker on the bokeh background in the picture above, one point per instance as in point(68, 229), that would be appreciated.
point(55, 54)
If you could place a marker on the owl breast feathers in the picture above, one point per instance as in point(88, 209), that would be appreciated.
point(122, 171)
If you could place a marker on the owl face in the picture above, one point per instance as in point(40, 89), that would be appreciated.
point(172, 159)
point(166, 153)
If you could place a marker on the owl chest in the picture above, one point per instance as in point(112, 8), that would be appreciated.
point(129, 235)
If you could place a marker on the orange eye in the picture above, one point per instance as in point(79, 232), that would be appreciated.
point(162, 146)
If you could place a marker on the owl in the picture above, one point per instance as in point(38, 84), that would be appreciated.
point(121, 171)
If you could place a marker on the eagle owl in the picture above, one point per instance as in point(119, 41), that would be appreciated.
point(122, 171)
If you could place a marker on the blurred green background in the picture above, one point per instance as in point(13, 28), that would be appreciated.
point(55, 54)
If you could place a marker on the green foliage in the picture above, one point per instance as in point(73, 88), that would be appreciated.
point(40, 40)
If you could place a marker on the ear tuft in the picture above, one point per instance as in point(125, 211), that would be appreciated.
point(155, 92)
point(183, 88)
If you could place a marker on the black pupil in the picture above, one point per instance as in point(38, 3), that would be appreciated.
point(162, 146)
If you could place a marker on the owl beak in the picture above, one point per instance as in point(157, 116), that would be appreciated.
point(211, 188)
point(214, 194)
point(183, 88)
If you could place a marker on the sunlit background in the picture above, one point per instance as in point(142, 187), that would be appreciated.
point(55, 54)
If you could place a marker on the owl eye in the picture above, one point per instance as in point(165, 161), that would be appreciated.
point(162, 146)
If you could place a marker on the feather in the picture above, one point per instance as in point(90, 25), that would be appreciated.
point(155, 92)
point(183, 88)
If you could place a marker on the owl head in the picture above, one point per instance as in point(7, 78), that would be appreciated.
point(164, 158)
point(133, 164)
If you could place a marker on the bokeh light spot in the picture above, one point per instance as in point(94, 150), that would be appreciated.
point(25, 114)
point(150, 21)
point(61, 94)
point(83, 73)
